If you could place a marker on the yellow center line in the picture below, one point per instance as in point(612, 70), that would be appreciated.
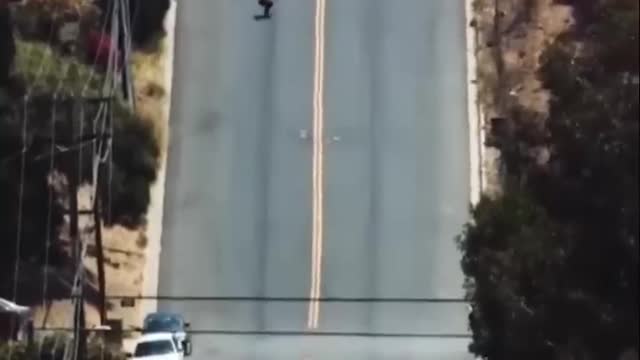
point(317, 226)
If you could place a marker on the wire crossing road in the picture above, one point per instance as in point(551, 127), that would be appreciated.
point(320, 154)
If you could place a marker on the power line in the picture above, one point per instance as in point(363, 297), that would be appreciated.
point(299, 333)
point(20, 204)
point(16, 274)
point(79, 346)
point(293, 299)
point(79, 247)
point(124, 41)
point(74, 145)
point(52, 150)
point(103, 28)
point(49, 210)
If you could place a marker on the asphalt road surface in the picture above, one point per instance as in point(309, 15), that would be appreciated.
point(242, 213)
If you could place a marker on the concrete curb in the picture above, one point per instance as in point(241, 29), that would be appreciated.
point(475, 115)
point(156, 207)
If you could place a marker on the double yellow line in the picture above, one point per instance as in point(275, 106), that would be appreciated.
point(318, 179)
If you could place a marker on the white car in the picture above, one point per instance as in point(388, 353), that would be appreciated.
point(156, 346)
point(165, 322)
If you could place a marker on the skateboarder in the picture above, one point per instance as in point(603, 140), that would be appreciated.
point(267, 5)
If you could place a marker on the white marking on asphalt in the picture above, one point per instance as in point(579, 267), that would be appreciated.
point(318, 180)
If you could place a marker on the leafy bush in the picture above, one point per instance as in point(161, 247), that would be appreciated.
point(552, 266)
point(46, 71)
point(513, 255)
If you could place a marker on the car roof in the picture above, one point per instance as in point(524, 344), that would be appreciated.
point(163, 315)
point(155, 337)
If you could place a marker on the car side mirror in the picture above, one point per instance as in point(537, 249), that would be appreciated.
point(187, 347)
point(187, 325)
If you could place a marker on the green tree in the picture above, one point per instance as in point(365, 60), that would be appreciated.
point(552, 266)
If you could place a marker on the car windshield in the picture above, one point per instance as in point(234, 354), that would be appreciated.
point(151, 348)
point(162, 324)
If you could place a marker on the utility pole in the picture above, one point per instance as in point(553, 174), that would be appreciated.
point(73, 188)
point(100, 256)
point(95, 211)
point(79, 319)
point(97, 218)
point(70, 151)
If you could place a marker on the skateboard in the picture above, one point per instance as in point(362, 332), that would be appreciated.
point(261, 17)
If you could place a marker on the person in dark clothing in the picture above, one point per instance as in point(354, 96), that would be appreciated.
point(267, 5)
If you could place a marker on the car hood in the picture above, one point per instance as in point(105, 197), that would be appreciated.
point(160, 357)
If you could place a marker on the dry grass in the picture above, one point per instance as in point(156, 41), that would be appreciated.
point(511, 38)
point(511, 35)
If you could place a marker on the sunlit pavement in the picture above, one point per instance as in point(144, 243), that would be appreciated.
point(328, 348)
point(366, 205)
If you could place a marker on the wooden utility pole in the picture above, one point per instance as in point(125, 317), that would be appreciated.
point(100, 258)
point(70, 150)
point(97, 219)
point(99, 138)
point(73, 187)
point(79, 319)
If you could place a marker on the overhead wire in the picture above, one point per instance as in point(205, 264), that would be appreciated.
point(103, 29)
point(100, 154)
point(51, 155)
point(25, 146)
point(101, 114)
point(16, 274)
point(20, 202)
point(79, 276)
point(38, 75)
point(110, 159)
point(110, 85)
point(314, 333)
point(128, 42)
point(48, 230)
point(284, 299)
point(23, 154)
